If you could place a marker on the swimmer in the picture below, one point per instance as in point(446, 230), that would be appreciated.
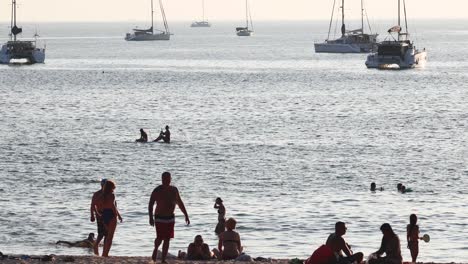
point(399, 186)
point(86, 243)
point(373, 187)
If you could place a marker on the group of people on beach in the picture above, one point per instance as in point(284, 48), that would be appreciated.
point(161, 207)
point(166, 197)
point(164, 136)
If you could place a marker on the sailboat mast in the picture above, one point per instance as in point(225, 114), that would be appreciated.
point(399, 19)
point(343, 27)
point(14, 18)
point(246, 14)
point(362, 16)
point(152, 17)
point(203, 10)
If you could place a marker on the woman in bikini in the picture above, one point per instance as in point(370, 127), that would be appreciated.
point(109, 215)
point(220, 227)
point(229, 245)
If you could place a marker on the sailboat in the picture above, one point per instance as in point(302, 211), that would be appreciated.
point(399, 53)
point(150, 34)
point(20, 49)
point(352, 41)
point(202, 23)
point(246, 31)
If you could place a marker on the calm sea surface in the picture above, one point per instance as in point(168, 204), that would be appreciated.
point(290, 139)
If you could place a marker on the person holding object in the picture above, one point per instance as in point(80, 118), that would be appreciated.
point(164, 136)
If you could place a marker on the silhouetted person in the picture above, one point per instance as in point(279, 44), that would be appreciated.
point(143, 136)
point(166, 198)
point(412, 236)
point(390, 246)
point(373, 186)
point(96, 215)
point(164, 136)
point(220, 227)
point(339, 246)
point(399, 186)
point(86, 243)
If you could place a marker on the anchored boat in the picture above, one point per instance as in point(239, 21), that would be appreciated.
point(150, 34)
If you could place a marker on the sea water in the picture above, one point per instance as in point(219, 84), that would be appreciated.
point(289, 139)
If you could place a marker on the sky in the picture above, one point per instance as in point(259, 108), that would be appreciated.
point(218, 10)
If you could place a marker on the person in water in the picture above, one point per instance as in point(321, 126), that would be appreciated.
point(143, 136)
point(86, 243)
point(96, 212)
point(109, 215)
point(373, 187)
point(339, 246)
point(399, 186)
point(412, 237)
point(220, 227)
point(390, 246)
point(166, 197)
point(229, 244)
point(198, 250)
point(164, 136)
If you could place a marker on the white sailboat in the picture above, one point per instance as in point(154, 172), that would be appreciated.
point(150, 34)
point(20, 49)
point(399, 53)
point(352, 41)
point(246, 31)
point(203, 22)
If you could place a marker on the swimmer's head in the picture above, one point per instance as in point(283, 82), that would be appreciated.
point(166, 178)
point(373, 186)
point(399, 185)
point(403, 189)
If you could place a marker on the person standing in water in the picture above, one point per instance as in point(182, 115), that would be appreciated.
point(220, 227)
point(109, 215)
point(96, 212)
point(143, 136)
point(166, 197)
point(164, 136)
point(412, 236)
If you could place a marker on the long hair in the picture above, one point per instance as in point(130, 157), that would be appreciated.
point(109, 187)
point(387, 227)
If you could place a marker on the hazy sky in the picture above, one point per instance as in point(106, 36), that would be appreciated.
point(187, 10)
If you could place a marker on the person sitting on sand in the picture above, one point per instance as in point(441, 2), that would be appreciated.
point(164, 136)
point(390, 246)
point(220, 227)
point(143, 136)
point(339, 246)
point(229, 245)
point(86, 243)
point(197, 250)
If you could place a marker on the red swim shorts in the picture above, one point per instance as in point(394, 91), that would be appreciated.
point(164, 227)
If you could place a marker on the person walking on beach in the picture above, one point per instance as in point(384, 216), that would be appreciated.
point(164, 136)
point(412, 236)
point(96, 212)
point(166, 198)
point(229, 245)
point(339, 246)
point(390, 246)
point(109, 215)
point(220, 227)
point(143, 136)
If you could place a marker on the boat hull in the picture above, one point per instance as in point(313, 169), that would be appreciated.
point(203, 24)
point(33, 55)
point(244, 33)
point(148, 37)
point(326, 47)
point(411, 60)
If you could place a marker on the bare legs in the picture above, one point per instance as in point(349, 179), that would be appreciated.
point(96, 244)
point(110, 229)
point(165, 249)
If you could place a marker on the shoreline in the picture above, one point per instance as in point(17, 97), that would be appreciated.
point(81, 259)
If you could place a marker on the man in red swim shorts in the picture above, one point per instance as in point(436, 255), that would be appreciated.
point(166, 198)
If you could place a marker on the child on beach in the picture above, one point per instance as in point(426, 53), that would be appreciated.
point(220, 227)
point(412, 236)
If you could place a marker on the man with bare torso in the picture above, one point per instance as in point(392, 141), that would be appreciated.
point(166, 198)
point(339, 246)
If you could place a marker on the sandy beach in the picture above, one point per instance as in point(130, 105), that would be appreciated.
point(117, 259)
point(137, 260)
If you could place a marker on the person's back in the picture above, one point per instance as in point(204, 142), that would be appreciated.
point(230, 240)
point(335, 243)
point(167, 135)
